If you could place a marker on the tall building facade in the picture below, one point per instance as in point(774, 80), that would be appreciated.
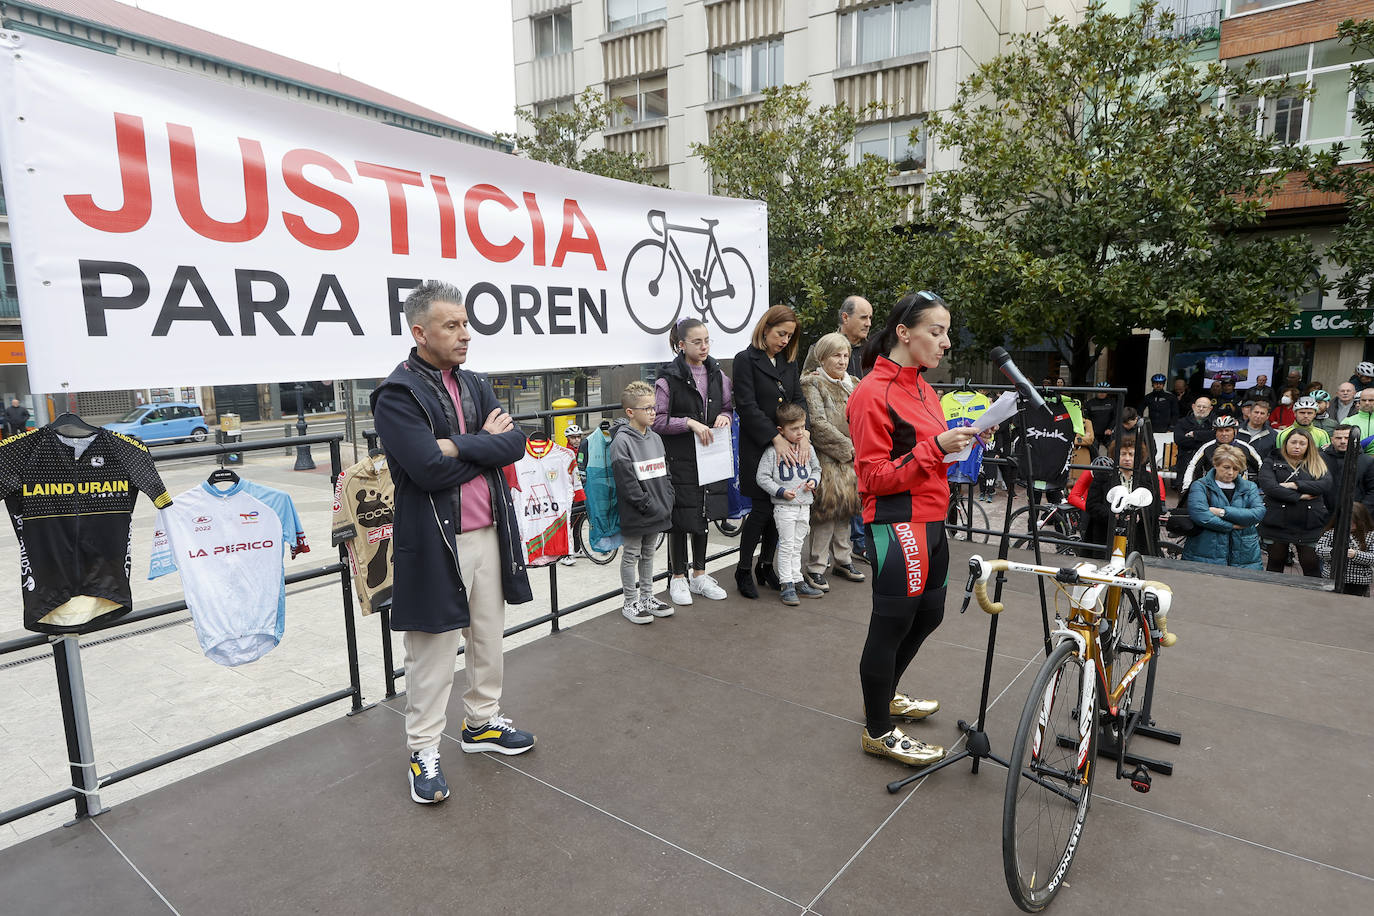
point(683, 66)
point(125, 30)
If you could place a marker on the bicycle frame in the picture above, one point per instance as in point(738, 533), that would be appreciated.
point(700, 279)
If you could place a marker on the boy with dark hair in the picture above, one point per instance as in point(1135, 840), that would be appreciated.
point(790, 485)
point(644, 492)
point(1133, 470)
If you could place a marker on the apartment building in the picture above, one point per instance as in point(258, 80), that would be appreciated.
point(131, 32)
point(683, 66)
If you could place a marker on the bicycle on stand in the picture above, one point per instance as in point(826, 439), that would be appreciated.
point(1058, 523)
point(653, 279)
point(1115, 622)
point(967, 520)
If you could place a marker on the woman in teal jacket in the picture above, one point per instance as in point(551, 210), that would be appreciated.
point(1226, 508)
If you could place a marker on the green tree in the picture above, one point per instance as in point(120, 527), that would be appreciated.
point(833, 224)
point(1101, 190)
point(1353, 248)
point(561, 137)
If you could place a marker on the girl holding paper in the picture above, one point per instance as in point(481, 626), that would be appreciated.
point(693, 402)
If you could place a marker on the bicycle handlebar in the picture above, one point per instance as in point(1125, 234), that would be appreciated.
point(984, 572)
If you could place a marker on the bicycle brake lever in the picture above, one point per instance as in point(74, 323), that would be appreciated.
point(973, 573)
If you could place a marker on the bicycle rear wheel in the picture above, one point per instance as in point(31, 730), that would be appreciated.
point(963, 518)
point(730, 527)
point(1049, 786)
point(1057, 526)
point(599, 557)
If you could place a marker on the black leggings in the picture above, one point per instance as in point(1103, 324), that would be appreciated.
point(677, 552)
point(910, 570)
point(758, 525)
point(1307, 558)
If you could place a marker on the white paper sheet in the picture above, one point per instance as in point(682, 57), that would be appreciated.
point(1002, 409)
point(717, 460)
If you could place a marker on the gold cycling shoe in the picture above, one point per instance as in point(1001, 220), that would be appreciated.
point(902, 748)
point(905, 707)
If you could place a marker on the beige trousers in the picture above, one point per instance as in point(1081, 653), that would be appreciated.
point(829, 538)
point(430, 657)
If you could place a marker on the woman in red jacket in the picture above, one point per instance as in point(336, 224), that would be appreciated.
point(900, 442)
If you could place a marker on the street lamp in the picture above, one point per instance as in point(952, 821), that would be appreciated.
point(303, 460)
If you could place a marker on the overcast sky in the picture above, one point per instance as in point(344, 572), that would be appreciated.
point(453, 56)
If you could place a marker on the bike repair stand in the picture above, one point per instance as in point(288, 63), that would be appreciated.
point(978, 746)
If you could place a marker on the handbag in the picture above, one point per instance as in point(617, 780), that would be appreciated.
point(1180, 522)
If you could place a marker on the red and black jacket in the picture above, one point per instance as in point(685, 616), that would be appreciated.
point(894, 417)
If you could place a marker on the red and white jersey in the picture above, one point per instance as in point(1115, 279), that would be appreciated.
point(543, 497)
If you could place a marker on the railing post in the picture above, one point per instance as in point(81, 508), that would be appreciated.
point(346, 583)
point(76, 722)
point(553, 596)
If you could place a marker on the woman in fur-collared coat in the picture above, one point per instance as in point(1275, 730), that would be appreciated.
point(827, 391)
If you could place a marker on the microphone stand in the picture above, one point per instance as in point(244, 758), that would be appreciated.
point(978, 747)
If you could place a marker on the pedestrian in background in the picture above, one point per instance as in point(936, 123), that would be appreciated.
point(1294, 481)
point(16, 418)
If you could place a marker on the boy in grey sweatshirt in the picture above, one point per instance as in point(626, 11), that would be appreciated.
point(791, 486)
point(644, 493)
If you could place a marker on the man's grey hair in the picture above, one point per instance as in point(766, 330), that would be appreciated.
point(849, 304)
point(423, 297)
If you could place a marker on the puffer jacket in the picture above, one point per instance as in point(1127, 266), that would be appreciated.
point(1220, 542)
point(838, 494)
point(1289, 517)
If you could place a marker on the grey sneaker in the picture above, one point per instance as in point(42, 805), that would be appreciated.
point(634, 613)
point(652, 605)
point(789, 595)
point(808, 591)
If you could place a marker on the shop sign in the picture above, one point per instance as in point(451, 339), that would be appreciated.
point(1328, 323)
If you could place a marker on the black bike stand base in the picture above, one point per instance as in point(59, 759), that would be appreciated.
point(978, 748)
point(1159, 734)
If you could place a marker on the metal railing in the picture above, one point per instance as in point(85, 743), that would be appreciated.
point(86, 780)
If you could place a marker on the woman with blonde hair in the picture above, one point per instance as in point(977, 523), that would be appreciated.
point(1294, 480)
point(827, 389)
point(1226, 508)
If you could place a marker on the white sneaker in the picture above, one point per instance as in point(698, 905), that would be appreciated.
point(706, 587)
point(634, 613)
point(567, 561)
point(652, 605)
point(678, 592)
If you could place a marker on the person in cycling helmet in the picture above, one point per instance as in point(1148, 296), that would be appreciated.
point(1323, 419)
point(1160, 406)
point(1364, 376)
point(1304, 413)
point(1225, 431)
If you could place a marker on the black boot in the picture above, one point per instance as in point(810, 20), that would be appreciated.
point(766, 575)
point(744, 581)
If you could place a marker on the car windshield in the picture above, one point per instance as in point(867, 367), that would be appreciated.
point(132, 415)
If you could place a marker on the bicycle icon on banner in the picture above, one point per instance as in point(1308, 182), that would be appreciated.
point(652, 280)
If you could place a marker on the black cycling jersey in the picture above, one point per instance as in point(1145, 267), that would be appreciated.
point(70, 501)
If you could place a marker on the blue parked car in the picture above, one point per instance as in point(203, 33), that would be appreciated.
point(163, 423)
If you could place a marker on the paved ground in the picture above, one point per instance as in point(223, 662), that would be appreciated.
point(710, 764)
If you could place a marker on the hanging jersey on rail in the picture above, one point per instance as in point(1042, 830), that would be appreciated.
point(543, 500)
point(1050, 431)
point(363, 500)
point(228, 546)
point(70, 500)
point(962, 408)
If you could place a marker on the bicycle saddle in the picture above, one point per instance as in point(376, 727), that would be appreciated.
point(1120, 498)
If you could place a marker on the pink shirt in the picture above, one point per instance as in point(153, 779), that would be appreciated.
point(475, 497)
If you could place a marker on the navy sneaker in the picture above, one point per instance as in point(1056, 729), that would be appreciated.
point(427, 785)
point(497, 736)
point(808, 591)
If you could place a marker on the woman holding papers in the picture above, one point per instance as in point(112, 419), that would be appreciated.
point(827, 389)
point(901, 440)
point(693, 402)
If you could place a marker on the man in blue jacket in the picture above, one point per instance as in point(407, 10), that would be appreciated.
point(458, 559)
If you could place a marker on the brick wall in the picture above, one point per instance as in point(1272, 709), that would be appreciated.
point(1296, 195)
point(1287, 26)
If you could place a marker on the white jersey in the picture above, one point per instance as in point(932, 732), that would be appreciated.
point(543, 500)
point(228, 547)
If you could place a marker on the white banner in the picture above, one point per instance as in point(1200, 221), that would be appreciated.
point(169, 226)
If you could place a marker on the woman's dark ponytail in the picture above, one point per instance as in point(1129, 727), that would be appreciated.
point(906, 312)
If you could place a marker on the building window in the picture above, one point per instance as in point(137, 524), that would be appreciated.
point(1319, 122)
point(2, 195)
point(621, 14)
point(11, 288)
point(645, 99)
point(740, 71)
point(553, 34)
point(879, 32)
point(1236, 7)
point(891, 140)
point(553, 106)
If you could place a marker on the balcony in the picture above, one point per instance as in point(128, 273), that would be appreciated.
point(1200, 27)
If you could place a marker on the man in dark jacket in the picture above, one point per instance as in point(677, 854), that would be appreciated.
point(1101, 410)
point(1192, 433)
point(1335, 455)
point(1160, 406)
point(16, 418)
point(458, 557)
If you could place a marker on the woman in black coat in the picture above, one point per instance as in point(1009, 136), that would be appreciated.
point(1295, 482)
point(766, 376)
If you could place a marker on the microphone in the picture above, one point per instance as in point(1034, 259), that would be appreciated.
point(1002, 359)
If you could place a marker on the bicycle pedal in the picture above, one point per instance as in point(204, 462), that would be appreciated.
point(1140, 779)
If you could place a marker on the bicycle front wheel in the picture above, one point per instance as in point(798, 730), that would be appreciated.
point(1049, 784)
point(599, 557)
point(732, 302)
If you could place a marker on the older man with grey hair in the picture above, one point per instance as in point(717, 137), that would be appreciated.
point(856, 317)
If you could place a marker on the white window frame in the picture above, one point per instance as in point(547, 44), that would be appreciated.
point(847, 52)
point(561, 34)
point(1279, 4)
point(645, 11)
point(553, 106)
point(637, 111)
point(743, 57)
point(896, 129)
point(1266, 106)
